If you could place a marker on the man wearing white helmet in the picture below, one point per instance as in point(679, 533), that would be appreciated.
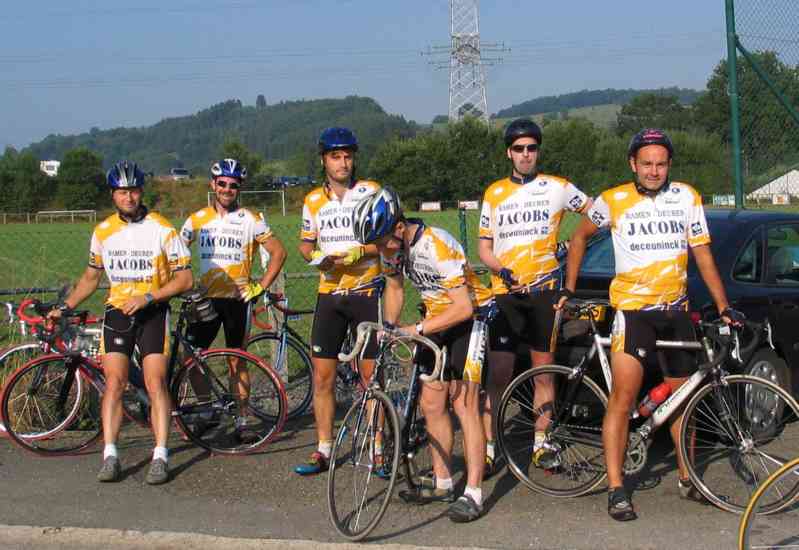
point(227, 236)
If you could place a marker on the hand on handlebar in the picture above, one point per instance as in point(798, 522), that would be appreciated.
point(564, 294)
point(733, 317)
point(251, 291)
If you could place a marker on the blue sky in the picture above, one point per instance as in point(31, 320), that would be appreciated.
point(71, 65)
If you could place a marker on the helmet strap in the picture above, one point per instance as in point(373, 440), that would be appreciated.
point(524, 179)
point(140, 214)
point(651, 192)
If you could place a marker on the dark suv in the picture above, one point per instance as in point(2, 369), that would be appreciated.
point(757, 254)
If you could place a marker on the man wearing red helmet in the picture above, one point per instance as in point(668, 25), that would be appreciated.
point(653, 222)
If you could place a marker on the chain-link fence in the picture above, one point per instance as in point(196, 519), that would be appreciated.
point(768, 94)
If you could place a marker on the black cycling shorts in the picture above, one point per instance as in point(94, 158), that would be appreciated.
point(147, 328)
point(334, 313)
point(457, 341)
point(525, 319)
point(233, 314)
point(635, 333)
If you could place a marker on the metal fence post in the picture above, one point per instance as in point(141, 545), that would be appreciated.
point(735, 128)
point(464, 235)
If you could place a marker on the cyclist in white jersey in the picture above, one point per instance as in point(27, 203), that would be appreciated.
point(146, 264)
point(458, 307)
point(653, 222)
point(349, 279)
point(519, 225)
point(227, 236)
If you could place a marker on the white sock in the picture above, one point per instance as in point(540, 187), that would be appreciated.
point(444, 483)
point(325, 447)
point(540, 438)
point(490, 449)
point(476, 493)
point(162, 453)
point(110, 449)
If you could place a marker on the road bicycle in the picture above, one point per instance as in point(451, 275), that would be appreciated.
point(287, 351)
point(760, 527)
point(382, 429)
point(736, 429)
point(225, 400)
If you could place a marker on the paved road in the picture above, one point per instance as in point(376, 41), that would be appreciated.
point(257, 497)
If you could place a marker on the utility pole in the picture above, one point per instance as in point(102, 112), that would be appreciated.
point(466, 64)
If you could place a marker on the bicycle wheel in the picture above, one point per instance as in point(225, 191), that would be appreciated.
point(14, 357)
point(734, 434)
point(570, 414)
point(292, 363)
point(758, 530)
point(230, 403)
point(50, 408)
point(356, 497)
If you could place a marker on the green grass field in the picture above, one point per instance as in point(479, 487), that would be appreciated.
point(49, 255)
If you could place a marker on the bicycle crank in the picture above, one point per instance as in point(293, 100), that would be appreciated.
point(635, 458)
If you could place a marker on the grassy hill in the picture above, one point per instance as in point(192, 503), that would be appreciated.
point(603, 116)
point(284, 130)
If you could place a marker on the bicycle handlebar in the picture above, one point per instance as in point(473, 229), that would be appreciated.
point(367, 327)
point(274, 298)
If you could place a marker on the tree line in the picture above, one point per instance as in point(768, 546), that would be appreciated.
point(426, 163)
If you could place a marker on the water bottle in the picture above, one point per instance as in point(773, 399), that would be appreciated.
point(653, 399)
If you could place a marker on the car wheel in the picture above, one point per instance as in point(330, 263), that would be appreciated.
point(766, 364)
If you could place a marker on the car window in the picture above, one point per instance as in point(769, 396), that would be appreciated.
point(782, 255)
point(599, 256)
point(748, 267)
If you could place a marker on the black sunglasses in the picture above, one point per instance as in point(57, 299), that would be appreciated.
point(530, 148)
point(228, 185)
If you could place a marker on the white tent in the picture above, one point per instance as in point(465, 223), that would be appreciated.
point(787, 184)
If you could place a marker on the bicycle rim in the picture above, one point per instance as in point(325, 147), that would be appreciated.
point(357, 497)
point(776, 530)
point(734, 435)
point(292, 365)
point(574, 439)
point(51, 409)
point(234, 404)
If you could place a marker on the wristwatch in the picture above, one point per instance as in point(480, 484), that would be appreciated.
point(420, 328)
point(149, 298)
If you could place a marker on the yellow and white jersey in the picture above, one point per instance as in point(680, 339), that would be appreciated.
point(435, 264)
point(138, 257)
point(522, 220)
point(227, 246)
point(651, 237)
point(326, 221)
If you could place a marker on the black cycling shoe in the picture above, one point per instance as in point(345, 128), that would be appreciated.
point(620, 507)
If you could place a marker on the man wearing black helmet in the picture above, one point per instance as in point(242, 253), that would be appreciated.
point(519, 225)
point(146, 264)
point(653, 222)
point(349, 282)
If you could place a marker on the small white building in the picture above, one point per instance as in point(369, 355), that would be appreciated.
point(50, 167)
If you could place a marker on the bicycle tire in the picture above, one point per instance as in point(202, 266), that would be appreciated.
point(746, 531)
point(51, 409)
point(348, 464)
point(294, 369)
point(14, 357)
point(211, 419)
point(576, 440)
point(741, 429)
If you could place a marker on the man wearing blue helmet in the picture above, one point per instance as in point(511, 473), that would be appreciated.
point(227, 236)
point(146, 264)
point(349, 282)
point(457, 309)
